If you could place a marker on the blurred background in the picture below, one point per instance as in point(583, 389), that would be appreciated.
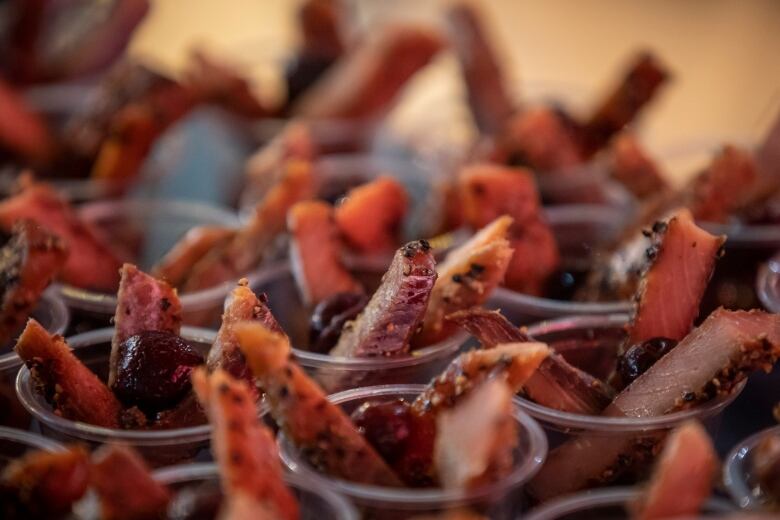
point(723, 54)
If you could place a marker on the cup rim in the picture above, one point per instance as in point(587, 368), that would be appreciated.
point(612, 425)
point(410, 497)
point(314, 360)
point(548, 307)
point(204, 470)
point(31, 439)
point(32, 402)
point(61, 317)
point(91, 301)
point(734, 479)
point(768, 284)
point(620, 495)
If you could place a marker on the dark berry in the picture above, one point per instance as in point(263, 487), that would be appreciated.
point(153, 370)
point(386, 425)
point(329, 317)
point(638, 358)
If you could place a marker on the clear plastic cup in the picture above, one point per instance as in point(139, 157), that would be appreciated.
point(590, 343)
point(580, 230)
point(610, 504)
point(158, 447)
point(739, 475)
point(15, 443)
point(52, 313)
point(500, 500)
point(316, 502)
point(335, 373)
point(144, 230)
point(768, 284)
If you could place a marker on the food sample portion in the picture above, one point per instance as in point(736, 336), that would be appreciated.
point(396, 443)
point(148, 383)
point(30, 259)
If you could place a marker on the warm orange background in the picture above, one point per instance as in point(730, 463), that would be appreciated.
point(725, 54)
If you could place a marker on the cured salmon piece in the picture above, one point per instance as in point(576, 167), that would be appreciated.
point(214, 81)
point(125, 486)
point(682, 260)
point(247, 248)
point(42, 484)
point(322, 46)
point(630, 165)
point(91, 263)
point(22, 131)
point(489, 191)
point(177, 263)
point(322, 432)
point(75, 392)
point(136, 127)
point(29, 261)
point(490, 103)
point(539, 138)
point(683, 475)
point(393, 314)
point(491, 328)
point(725, 186)
point(709, 362)
point(243, 305)
point(556, 384)
point(315, 253)
point(366, 81)
point(144, 303)
point(466, 278)
point(514, 362)
point(244, 447)
point(640, 84)
point(266, 167)
point(482, 426)
point(371, 215)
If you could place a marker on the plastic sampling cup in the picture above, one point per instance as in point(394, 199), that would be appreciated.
point(52, 313)
point(315, 502)
point(580, 230)
point(590, 343)
point(15, 443)
point(609, 504)
point(768, 284)
point(335, 373)
point(144, 230)
point(739, 474)
point(158, 447)
point(499, 500)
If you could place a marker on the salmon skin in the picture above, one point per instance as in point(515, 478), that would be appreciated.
point(29, 261)
point(393, 314)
